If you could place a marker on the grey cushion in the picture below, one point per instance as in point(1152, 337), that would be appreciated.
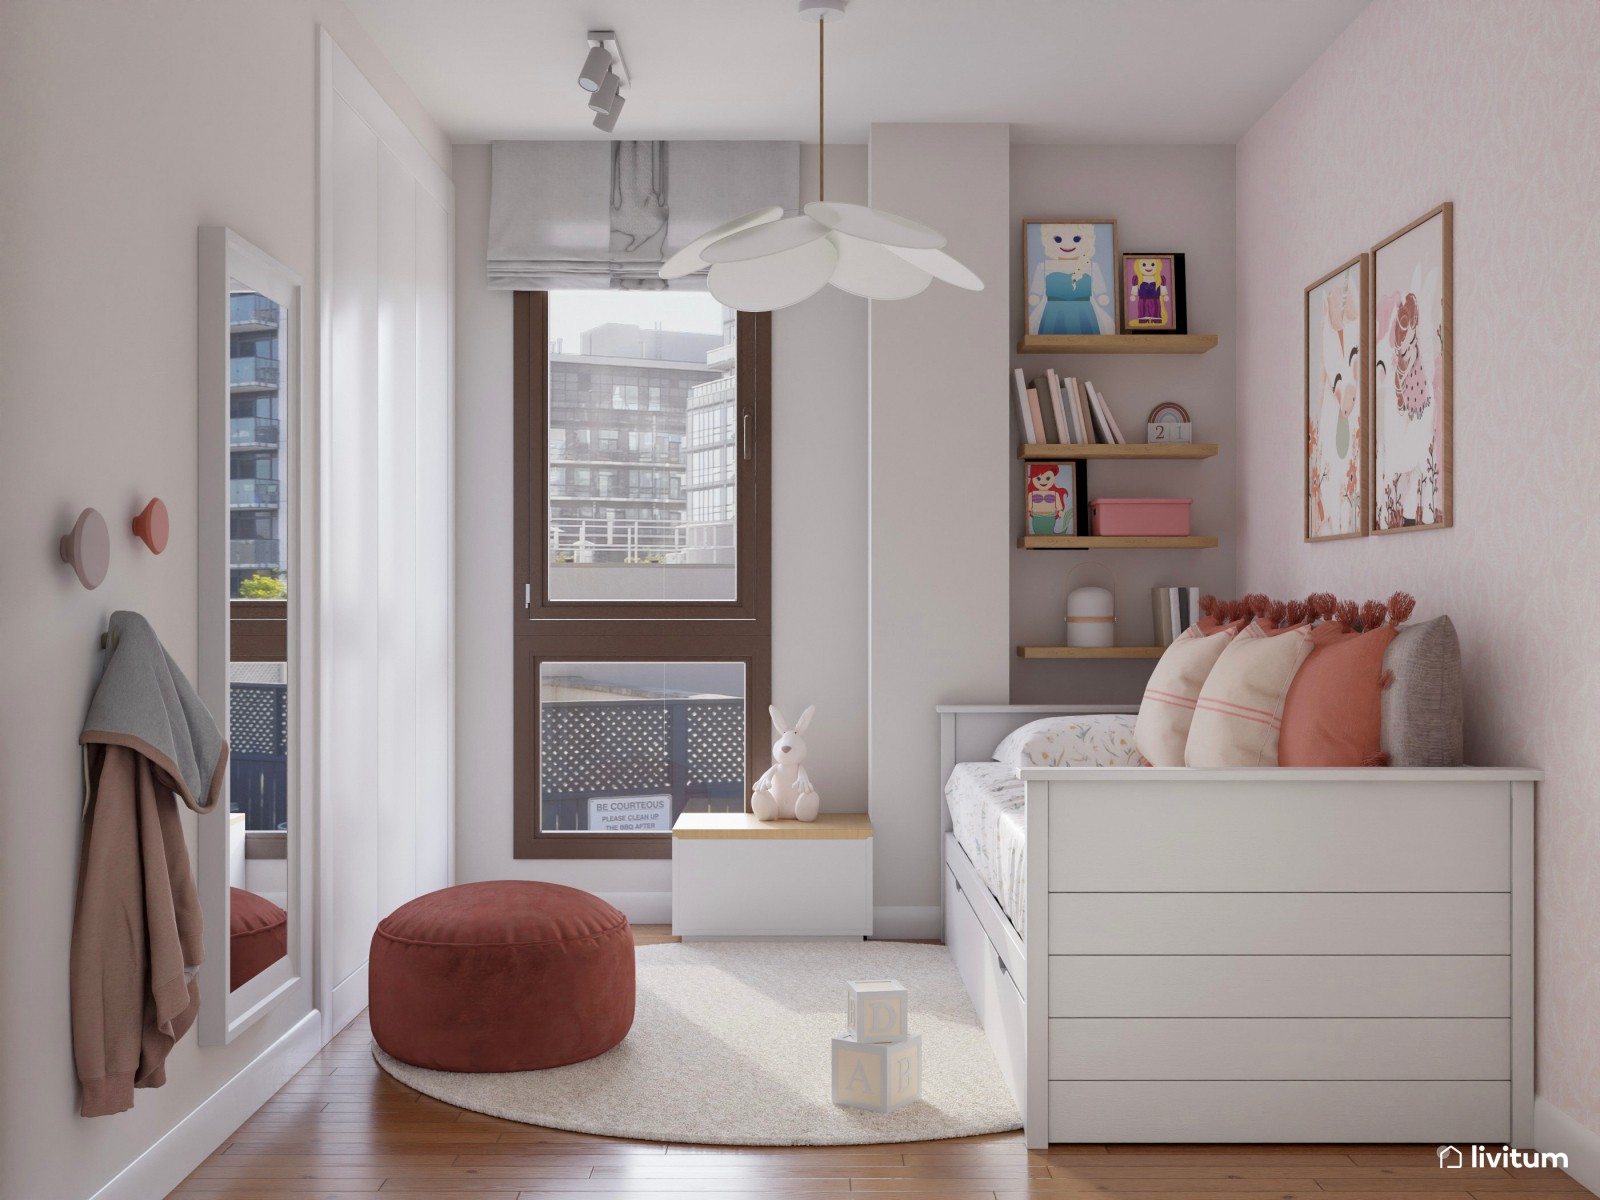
point(1422, 707)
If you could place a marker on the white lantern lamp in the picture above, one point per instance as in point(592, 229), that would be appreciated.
point(1091, 613)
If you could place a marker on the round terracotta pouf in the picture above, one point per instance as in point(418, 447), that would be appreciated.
point(501, 976)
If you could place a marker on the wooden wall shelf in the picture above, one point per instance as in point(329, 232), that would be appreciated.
point(1065, 542)
point(1050, 451)
point(1090, 651)
point(1117, 343)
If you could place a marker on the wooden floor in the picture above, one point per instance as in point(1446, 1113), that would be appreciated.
point(343, 1130)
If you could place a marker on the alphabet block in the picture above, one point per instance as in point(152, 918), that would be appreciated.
point(875, 1010)
point(877, 1076)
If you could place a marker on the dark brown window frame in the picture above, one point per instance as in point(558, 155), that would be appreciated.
point(739, 630)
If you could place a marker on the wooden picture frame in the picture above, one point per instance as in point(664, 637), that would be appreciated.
point(1336, 405)
point(1172, 297)
point(1412, 300)
point(1094, 317)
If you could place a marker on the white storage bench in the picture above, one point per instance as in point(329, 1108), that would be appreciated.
point(1269, 955)
point(736, 876)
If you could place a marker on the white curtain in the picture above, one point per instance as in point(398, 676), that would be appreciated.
point(608, 214)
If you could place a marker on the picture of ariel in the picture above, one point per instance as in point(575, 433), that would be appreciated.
point(1048, 508)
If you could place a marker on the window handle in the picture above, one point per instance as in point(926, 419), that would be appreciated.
point(747, 451)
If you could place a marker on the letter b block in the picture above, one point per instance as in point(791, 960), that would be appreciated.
point(875, 1010)
point(878, 1076)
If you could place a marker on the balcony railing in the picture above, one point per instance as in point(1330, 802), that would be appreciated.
point(252, 372)
point(562, 490)
point(692, 750)
point(245, 433)
point(600, 539)
point(255, 552)
point(582, 455)
point(251, 309)
point(253, 493)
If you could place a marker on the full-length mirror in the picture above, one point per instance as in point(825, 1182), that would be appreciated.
point(248, 596)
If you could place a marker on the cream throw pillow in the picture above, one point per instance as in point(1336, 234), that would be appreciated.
point(1240, 709)
point(1162, 730)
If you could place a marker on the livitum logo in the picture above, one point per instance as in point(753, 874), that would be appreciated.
point(1451, 1158)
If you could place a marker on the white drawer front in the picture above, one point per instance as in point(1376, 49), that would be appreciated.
point(1276, 1048)
point(994, 996)
point(747, 887)
point(1279, 986)
point(964, 937)
point(1281, 837)
point(1327, 1111)
point(1280, 923)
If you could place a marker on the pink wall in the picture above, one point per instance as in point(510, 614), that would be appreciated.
point(1494, 105)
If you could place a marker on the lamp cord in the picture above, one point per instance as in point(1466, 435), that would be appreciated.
point(822, 151)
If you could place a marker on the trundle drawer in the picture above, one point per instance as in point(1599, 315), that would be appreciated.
point(1224, 985)
point(1454, 1112)
point(995, 997)
point(1267, 1048)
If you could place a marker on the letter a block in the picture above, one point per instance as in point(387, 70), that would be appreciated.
point(878, 1076)
point(875, 1010)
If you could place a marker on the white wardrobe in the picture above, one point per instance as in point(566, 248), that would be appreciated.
point(385, 236)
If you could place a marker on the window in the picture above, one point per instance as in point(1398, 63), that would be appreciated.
point(643, 631)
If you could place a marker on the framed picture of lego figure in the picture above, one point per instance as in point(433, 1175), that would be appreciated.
point(1054, 501)
point(1412, 284)
point(1069, 268)
point(1336, 425)
point(1153, 293)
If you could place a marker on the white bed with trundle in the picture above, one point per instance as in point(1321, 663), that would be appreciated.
point(1253, 955)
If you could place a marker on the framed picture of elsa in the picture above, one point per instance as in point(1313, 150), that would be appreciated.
point(1412, 282)
point(1336, 427)
point(1070, 271)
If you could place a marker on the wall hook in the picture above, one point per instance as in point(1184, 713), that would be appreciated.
point(151, 526)
point(87, 549)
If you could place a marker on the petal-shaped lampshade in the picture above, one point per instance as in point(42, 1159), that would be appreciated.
point(870, 270)
point(688, 260)
point(765, 240)
point(940, 265)
point(874, 225)
point(776, 280)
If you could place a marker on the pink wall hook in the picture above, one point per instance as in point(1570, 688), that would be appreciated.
point(151, 526)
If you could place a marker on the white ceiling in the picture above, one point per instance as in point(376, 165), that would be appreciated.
point(1103, 71)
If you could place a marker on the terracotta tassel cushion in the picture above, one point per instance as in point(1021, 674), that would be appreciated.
point(501, 976)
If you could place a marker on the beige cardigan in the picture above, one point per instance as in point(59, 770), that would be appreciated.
point(136, 931)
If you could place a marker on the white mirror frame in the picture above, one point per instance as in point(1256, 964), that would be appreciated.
point(224, 257)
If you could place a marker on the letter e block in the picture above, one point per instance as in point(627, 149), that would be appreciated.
point(875, 1010)
point(877, 1076)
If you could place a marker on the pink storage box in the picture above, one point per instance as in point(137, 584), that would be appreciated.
point(1140, 518)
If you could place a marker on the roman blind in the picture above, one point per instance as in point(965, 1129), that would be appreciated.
point(608, 214)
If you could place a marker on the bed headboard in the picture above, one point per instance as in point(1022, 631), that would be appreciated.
point(970, 732)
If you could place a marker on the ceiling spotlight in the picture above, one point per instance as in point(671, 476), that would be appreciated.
point(603, 99)
point(607, 121)
point(595, 68)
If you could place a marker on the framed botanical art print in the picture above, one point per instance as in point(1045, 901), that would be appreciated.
point(1070, 271)
point(1410, 376)
point(1336, 426)
point(1153, 298)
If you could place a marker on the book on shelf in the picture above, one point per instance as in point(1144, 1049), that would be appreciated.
point(1035, 416)
point(1041, 426)
point(1102, 430)
point(1058, 408)
point(1024, 418)
point(1082, 431)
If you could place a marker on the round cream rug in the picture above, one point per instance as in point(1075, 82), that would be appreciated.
point(732, 1044)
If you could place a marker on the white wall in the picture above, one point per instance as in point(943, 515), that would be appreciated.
point(1177, 198)
point(939, 496)
point(819, 533)
point(126, 127)
point(1493, 105)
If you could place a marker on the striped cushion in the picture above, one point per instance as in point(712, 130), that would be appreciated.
point(1240, 709)
point(1162, 729)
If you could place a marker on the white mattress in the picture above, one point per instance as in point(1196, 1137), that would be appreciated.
point(987, 814)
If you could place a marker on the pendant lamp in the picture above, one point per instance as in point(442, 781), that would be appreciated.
point(763, 260)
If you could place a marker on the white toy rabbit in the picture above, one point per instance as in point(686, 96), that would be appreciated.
point(785, 790)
